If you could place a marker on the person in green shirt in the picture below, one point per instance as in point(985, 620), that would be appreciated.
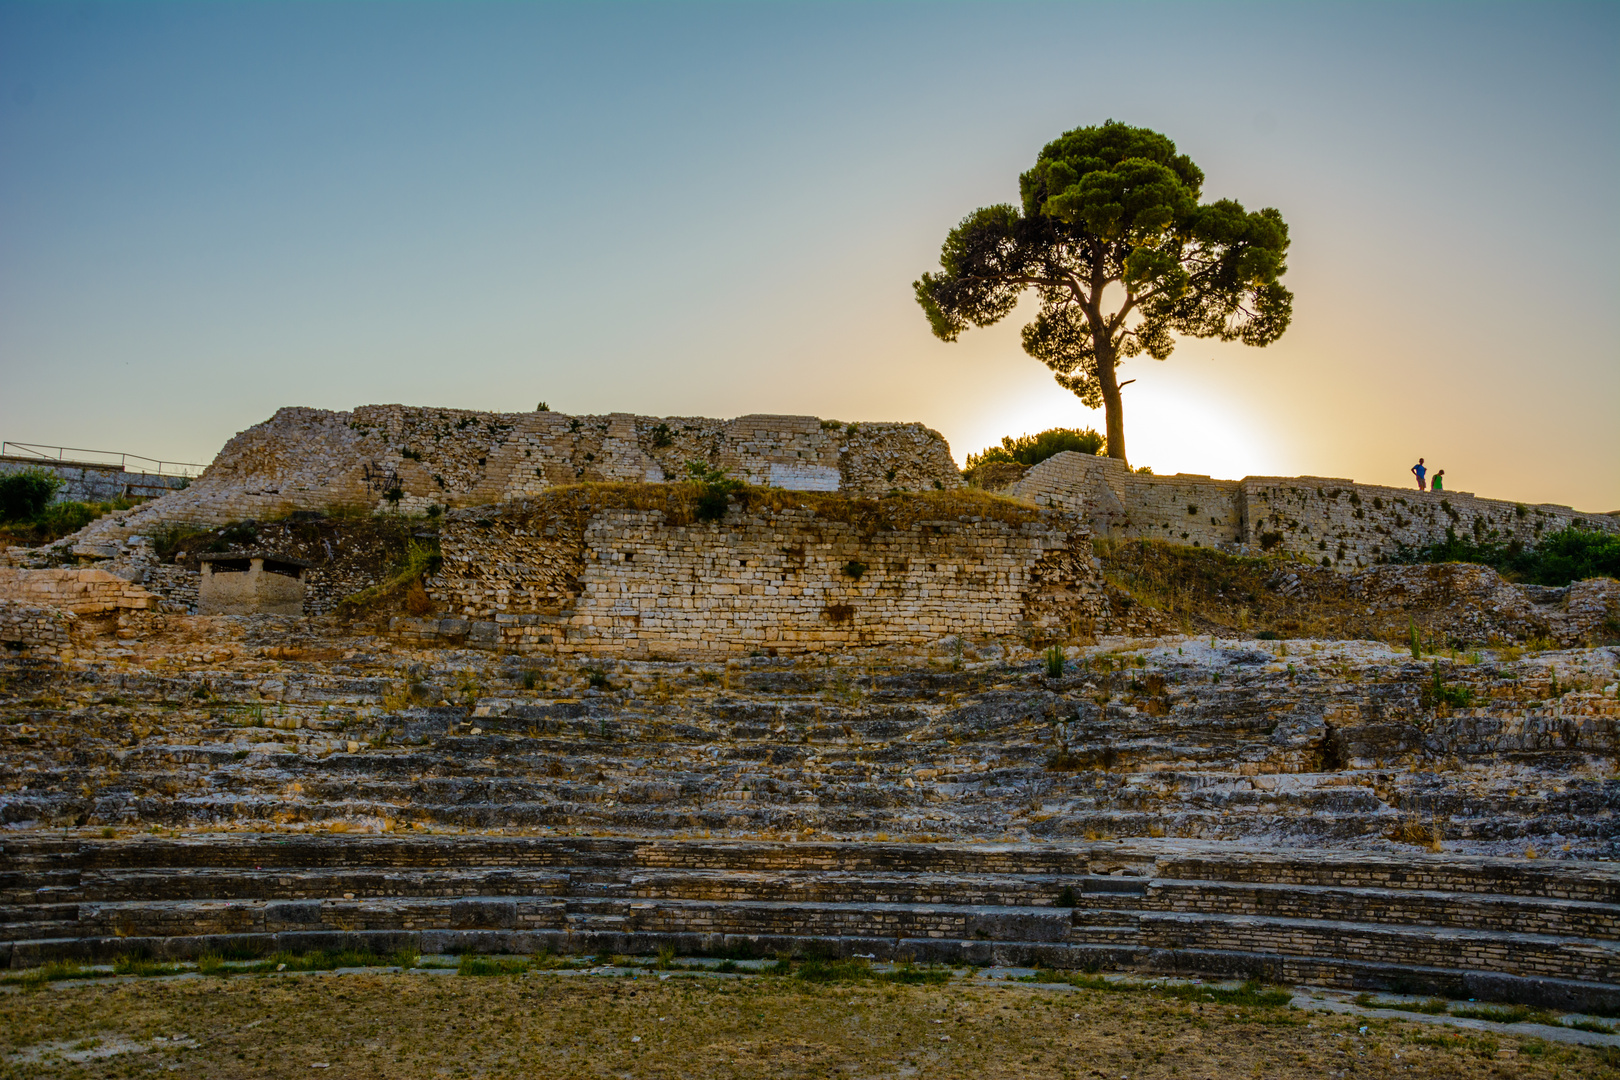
point(1439, 481)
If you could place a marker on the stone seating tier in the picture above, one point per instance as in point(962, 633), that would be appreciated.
point(1473, 927)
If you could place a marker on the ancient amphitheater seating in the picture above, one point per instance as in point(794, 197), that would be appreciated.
point(1467, 927)
point(1249, 795)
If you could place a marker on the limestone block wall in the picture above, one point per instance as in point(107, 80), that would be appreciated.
point(630, 581)
point(1353, 525)
point(1114, 501)
point(1334, 522)
point(312, 459)
point(82, 592)
point(32, 630)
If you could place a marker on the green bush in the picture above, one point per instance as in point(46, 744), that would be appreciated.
point(1571, 554)
point(1030, 450)
point(24, 495)
point(715, 489)
point(62, 518)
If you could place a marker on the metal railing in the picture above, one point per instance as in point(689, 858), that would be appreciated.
point(127, 462)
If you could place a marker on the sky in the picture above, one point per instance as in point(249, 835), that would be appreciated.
point(209, 211)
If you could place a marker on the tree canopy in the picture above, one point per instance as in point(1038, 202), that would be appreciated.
point(1112, 237)
point(1028, 450)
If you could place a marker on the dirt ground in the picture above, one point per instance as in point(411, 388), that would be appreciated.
point(560, 1025)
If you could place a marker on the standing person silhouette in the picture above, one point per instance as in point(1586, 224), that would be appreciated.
point(1439, 481)
point(1420, 472)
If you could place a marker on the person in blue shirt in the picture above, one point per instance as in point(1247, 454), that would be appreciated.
point(1420, 472)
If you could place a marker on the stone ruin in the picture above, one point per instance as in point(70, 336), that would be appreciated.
point(395, 458)
point(251, 583)
point(894, 719)
point(1336, 523)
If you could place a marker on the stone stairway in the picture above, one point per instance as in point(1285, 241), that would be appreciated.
point(1536, 932)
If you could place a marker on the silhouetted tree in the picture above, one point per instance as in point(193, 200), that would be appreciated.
point(1113, 206)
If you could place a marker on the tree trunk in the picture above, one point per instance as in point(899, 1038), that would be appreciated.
point(1113, 408)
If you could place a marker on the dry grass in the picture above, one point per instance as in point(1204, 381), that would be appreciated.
point(419, 1025)
point(1207, 591)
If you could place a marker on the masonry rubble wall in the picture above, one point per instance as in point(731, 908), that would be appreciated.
point(137, 562)
point(632, 582)
point(1334, 522)
point(1474, 603)
point(31, 630)
point(393, 456)
point(84, 481)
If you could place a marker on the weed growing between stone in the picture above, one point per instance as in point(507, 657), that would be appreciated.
point(492, 965)
point(1252, 994)
point(417, 1025)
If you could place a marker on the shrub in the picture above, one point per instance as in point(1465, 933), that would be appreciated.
point(62, 518)
point(417, 601)
point(1571, 554)
point(854, 569)
point(416, 562)
point(1030, 450)
point(23, 495)
point(1438, 693)
point(1053, 658)
point(715, 489)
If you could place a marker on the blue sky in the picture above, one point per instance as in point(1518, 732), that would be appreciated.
point(208, 211)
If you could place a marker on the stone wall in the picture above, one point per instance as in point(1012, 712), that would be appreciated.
point(83, 592)
point(1336, 523)
point(34, 631)
point(229, 588)
point(1344, 524)
point(628, 580)
point(89, 482)
point(311, 459)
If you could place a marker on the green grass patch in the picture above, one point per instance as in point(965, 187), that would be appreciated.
point(1588, 1025)
point(492, 965)
point(318, 960)
point(57, 971)
point(1253, 993)
point(1430, 1006)
point(1504, 1014)
point(847, 971)
point(140, 965)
